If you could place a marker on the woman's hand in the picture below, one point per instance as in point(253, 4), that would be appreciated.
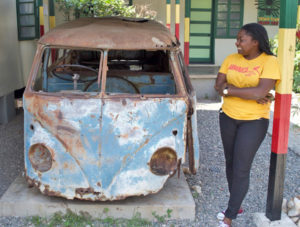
point(260, 92)
point(223, 86)
point(220, 83)
point(268, 98)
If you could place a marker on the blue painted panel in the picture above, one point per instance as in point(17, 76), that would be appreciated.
point(79, 129)
point(133, 132)
point(195, 135)
point(102, 146)
point(145, 84)
point(56, 84)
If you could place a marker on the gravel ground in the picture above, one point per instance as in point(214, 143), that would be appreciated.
point(11, 151)
point(211, 174)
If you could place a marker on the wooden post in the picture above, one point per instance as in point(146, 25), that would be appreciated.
point(52, 24)
point(187, 32)
point(281, 121)
point(51, 14)
point(41, 17)
point(177, 18)
point(168, 14)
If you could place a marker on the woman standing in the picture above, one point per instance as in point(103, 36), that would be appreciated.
point(244, 81)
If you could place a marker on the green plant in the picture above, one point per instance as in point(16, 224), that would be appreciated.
point(56, 219)
point(109, 220)
point(195, 194)
point(296, 75)
point(37, 221)
point(105, 210)
point(70, 219)
point(162, 218)
point(99, 8)
point(295, 109)
point(95, 8)
point(137, 221)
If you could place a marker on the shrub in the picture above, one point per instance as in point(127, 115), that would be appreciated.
point(100, 8)
point(296, 76)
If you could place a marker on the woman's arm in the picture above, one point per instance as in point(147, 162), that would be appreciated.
point(220, 83)
point(254, 93)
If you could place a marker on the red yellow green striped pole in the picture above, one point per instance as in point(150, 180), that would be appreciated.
point(52, 24)
point(187, 32)
point(41, 17)
point(168, 14)
point(177, 18)
point(298, 12)
point(281, 121)
point(51, 14)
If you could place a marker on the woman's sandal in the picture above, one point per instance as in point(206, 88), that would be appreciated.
point(223, 224)
point(221, 215)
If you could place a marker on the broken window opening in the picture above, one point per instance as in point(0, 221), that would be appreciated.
point(139, 72)
point(69, 70)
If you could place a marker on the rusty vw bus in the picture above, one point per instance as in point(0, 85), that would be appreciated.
point(108, 110)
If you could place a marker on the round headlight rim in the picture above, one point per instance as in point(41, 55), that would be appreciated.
point(33, 162)
point(168, 171)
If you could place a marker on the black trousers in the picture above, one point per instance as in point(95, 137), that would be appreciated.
point(241, 140)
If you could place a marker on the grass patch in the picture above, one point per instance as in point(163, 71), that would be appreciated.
point(71, 219)
point(195, 194)
point(162, 218)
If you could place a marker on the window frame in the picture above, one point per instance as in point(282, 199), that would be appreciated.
point(36, 19)
point(228, 20)
point(43, 64)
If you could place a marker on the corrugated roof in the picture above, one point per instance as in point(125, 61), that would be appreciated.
point(111, 33)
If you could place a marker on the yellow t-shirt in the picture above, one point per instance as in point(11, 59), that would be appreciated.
point(241, 72)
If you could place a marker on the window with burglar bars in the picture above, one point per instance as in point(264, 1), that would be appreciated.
point(229, 18)
point(27, 18)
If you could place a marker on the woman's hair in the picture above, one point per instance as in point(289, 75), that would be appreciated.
point(258, 33)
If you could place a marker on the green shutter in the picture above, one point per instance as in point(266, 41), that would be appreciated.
point(27, 19)
point(228, 18)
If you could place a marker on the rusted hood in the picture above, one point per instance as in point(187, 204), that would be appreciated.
point(111, 33)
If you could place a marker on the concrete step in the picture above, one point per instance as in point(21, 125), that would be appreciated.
point(203, 79)
point(203, 70)
point(20, 200)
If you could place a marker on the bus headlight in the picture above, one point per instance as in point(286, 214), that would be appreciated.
point(40, 157)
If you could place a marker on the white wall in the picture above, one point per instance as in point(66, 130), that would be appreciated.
point(27, 52)
point(10, 60)
point(223, 47)
point(250, 12)
point(16, 56)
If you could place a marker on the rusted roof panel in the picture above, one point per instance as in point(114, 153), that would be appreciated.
point(111, 33)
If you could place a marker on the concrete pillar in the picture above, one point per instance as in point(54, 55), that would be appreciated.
point(7, 108)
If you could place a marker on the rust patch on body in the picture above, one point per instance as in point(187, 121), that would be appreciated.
point(111, 33)
point(82, 191)
point(40, 157)
point(56, 124)
point(66, 129)
point(163, 162)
